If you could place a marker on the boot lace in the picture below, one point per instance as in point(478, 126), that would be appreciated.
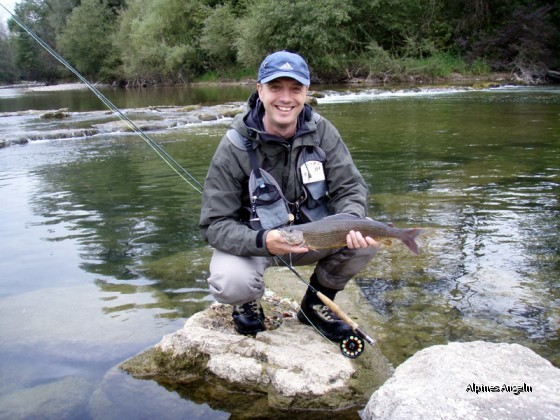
point(250, 308)
point(326, 313)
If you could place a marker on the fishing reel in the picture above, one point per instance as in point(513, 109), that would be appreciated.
point(352, 346)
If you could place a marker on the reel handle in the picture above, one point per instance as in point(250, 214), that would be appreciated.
point(351, 323)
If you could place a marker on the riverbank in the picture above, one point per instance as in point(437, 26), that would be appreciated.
point(453, 79)
point(43, 87)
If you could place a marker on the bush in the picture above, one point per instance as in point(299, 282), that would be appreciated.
point(442, 65)
point(378, 64)
point(315, 29)
point(479, 67)
point(524, 44)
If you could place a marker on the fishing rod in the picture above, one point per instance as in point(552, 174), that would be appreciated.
point(351, 346)
point(167, 158)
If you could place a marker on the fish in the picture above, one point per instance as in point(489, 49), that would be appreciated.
point(331, 231)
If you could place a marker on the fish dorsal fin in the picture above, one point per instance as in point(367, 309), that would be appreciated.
point(341, 216)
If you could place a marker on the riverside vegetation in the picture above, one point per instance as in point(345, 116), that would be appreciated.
point(147, 42)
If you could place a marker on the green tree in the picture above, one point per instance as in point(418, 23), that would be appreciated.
point(218, 37)
point(526, 43)
point(177, 40)
point(32, 61)
point(318, 30)
point(401, 27)
point(159, 39)
point(86, 39)
point(59, 10)
point(8, 72)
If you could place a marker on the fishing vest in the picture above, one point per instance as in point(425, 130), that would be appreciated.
point(269, 207)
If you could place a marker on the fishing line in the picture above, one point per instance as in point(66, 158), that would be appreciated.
point(168, 159)
point(351, 346)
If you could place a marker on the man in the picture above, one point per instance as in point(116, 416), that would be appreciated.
point(280, 163)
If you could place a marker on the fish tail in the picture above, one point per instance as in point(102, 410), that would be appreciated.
point(408, 239)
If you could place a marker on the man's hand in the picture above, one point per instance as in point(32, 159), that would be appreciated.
point(277, 245)
point(355, 240)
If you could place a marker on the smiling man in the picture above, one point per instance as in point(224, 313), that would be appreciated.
point(280, 163)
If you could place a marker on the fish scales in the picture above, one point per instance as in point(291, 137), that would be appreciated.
point(331, 232)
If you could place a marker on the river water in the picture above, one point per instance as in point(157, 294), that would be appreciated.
point(101, 256)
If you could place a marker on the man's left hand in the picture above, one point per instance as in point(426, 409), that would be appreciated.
point(355, 240)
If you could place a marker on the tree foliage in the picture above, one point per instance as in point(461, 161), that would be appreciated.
point(219, 32)
point(86, 38)
point(161, 41)
point(8, 72)
point(33, 62)
point(59, 12)
point(315, 29)
point(525, 43)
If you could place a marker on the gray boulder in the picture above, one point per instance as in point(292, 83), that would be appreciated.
point(290, 364)
point(473, 380)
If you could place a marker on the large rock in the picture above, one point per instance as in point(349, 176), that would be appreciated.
point(290, 363)
point(473, 380)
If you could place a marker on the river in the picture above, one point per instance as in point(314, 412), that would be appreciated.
point(101, 255)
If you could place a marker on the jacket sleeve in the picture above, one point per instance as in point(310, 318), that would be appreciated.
point(220, 216)
point(346, 187)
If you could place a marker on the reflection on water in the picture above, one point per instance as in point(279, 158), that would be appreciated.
point(83, 100)
point(481, 171)
point(131, 218)
point(102, 254)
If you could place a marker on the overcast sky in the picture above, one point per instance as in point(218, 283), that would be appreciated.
point(9, 4)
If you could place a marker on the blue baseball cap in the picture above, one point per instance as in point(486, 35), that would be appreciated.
point(284, 64)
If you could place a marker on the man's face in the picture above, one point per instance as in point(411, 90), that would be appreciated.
point(283, 100)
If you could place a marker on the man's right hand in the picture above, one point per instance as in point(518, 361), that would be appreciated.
point(277, 245)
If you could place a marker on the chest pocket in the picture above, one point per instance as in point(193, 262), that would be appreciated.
point(269, 207)
point(311, 168)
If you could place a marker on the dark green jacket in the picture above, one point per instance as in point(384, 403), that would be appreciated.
point(223, 219)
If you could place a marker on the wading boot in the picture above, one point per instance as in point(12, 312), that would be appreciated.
point(248, 318)
point(314, 312)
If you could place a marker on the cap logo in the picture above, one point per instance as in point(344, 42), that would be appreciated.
point(286, 66)
point(283, 64)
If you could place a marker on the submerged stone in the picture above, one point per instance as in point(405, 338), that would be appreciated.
point(59, 399)
point(56, 115)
